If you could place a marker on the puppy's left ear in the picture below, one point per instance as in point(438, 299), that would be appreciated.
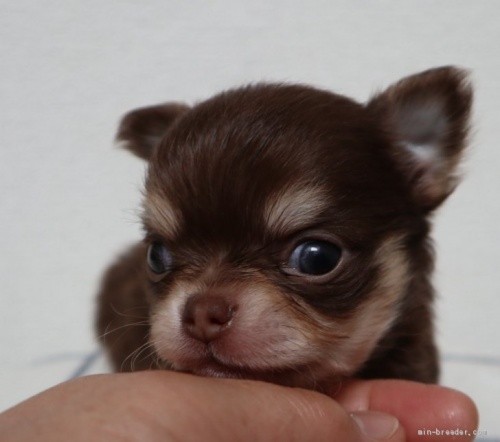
point(142, 129)
point(428, 113)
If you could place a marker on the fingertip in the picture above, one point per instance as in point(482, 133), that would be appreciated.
point(461, 411)
point(378, 426)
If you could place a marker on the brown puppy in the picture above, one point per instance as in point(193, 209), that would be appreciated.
point(287, 233)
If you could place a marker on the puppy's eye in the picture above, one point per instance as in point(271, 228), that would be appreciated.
point(315, 258)
point(159, 258)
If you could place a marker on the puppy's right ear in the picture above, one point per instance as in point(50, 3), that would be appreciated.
point(142, 129)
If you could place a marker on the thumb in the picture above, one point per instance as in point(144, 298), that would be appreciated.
point(299, 415)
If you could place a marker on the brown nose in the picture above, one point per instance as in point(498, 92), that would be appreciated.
point(206, 317)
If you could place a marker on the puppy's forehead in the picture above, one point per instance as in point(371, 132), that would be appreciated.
point(260, 159)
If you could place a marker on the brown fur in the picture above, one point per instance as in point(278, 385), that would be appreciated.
point(238, 181)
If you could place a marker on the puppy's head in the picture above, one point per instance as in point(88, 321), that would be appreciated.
point(281, 221)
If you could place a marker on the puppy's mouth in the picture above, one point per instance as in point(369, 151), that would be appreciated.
point(215, 369)
point(211, 366)
point(303, 376)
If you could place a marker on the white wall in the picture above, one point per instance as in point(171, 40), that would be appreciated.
point(69, 69)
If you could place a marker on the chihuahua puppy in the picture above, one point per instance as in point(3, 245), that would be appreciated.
point(287, 233)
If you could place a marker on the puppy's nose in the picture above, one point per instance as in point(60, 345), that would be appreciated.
point(206, 317)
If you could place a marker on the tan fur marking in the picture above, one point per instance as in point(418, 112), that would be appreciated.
point(159, 213)
point(377, 313)
point(294, 208)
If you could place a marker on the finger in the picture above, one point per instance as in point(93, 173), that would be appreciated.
point(158, 406)
point(425, 411)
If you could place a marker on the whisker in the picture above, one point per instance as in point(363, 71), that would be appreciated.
point(134, 359)
point(121, 327)
point(133, 355)
point(124, 315)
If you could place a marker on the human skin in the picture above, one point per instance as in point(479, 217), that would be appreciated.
point(167, 406)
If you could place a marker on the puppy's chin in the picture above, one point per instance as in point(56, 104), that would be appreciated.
point(313, 377)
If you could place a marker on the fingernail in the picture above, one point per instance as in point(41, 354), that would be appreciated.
point(376, 425)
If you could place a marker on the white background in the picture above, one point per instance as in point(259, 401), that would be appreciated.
point(69, 69)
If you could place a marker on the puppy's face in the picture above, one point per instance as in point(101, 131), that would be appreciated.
point(280, 222)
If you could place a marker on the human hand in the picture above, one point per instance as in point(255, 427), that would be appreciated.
point(161, 405)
